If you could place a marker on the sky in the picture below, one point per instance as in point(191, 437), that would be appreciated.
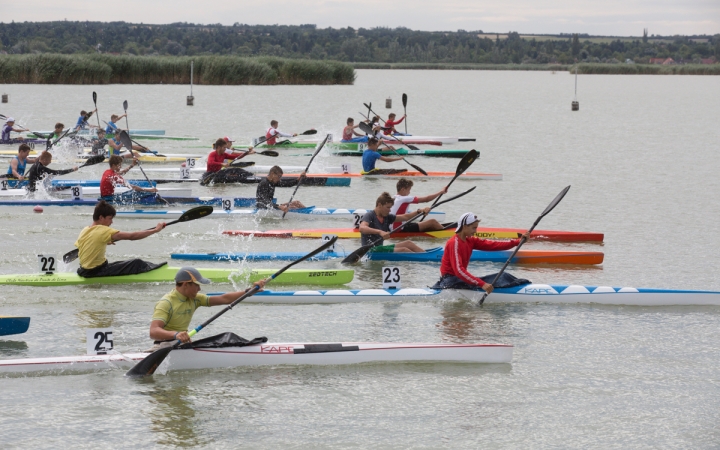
point(604, 17)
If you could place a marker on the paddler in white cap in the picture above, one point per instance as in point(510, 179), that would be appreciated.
point(173, 313)
point(458, 249)
point(7, 129)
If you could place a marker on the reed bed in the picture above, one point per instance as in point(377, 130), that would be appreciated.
point(128, 69)
point(647, 69)
point(460, 66)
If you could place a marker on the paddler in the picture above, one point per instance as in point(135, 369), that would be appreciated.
point(266, 190)
point(217, 170)
point(112, 128)
point(372, 154)
point(174, 312)
point(18, 163)
point(82, 122)
point(349, 132)
point(272, 133)
point(59, 129)
point(375, 227)
point(230, 150)
point(94, 239)
point(99, 143)
point(114, 177)
point(403, 199)
point(458, 250)
point(116, 147)
point(8, 128)
point(389, 127)
point(39, 170)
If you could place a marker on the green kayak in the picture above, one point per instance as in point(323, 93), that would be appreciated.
point(166, 274)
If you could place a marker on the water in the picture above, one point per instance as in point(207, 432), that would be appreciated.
point(641, 156)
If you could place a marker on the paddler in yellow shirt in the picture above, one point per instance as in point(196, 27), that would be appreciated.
point(93, 242)
point(173, 313)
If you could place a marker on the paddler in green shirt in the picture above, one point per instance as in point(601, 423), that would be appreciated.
point(173, 313)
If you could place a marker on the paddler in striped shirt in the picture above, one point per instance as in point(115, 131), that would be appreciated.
point(174, 312)
point(456, 257)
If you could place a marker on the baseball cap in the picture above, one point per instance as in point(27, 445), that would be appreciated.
point(227, 139)
point(466, 219)
point(10, 119)
point(190, 274)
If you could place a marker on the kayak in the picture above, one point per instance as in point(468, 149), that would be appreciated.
point(309, 143)
point(484, 233)
point(305, 213)
point(411, 173)
point(150, 200)
point(138, 136)
point(13, 325)
point(431, 255)
point(94, 191)
point(529, 293)
point(147, 132)
point(273, 354)
point(167, 274)
point(404, 152)
point(253, 168)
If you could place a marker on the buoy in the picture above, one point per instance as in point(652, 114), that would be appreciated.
point(38, 209)
point(4, 98)
point(575, 105)
point(388, 103)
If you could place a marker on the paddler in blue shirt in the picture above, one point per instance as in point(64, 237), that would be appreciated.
point(174, 312)
point(111, 127)
point(371, 155)
point(19, 163)
point(116, 147)
point(82, 122)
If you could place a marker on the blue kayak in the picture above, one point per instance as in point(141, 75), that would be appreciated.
point(149, 200)
point(13, 325)
point(15, 184)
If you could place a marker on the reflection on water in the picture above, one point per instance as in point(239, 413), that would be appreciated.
point(12, 348)
point(464, 321)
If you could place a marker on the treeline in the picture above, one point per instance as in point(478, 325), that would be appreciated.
point(377, 45)
point(103, 69)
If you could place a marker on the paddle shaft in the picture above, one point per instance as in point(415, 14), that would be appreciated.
point(550, 207)
point(322, 144)
point(404, 101)
point(463, 165)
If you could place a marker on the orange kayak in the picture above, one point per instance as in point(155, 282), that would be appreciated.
point(409, 173)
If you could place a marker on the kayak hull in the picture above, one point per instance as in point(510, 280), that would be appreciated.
point(305, 213)
point(213, 201)
point(13, 325)
point(274, 354)
point(166, 274)
point(433, 255)
point(484, 233)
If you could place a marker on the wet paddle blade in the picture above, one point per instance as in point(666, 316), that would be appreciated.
point(125, 140)
point(241, 163)
point(269, 153)
point(404, 100)
point(366, 128)
point(125, 106)
point(308, 132)
point(418, 169)
point(149, 365)
point(71, 256)
point(91, 161)
point(196, 213)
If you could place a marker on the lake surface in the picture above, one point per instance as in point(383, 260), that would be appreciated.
point(641, 156)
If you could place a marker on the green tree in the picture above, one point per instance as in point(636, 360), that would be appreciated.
point(575, 45)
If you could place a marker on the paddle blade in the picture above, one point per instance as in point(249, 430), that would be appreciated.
point(418, 169)
point(412, 147)
point(241, 163)
point(71, 256)
point(149, 365)
point(357, 255)
point(125, 105)
point(308, 132)
point(95, 98)
point(269, 153)
point(125, 139)
point(404, 100)
point(91, 161)
point(367, 129)
point(554, 203)
point(466, 162)
point(196, 213)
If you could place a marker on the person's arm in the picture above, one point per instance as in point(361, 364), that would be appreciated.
point(230, 297)
point(44, 170)
point(407, 216)
point(460, 267)
point(391, 158)
point(159, 333)
point(427, 198)
point(136, 235)
point(140, 189)
point(365, 228)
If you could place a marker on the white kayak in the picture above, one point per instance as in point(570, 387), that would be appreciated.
point(273, 354)
point(529, 293)
point(252, 169)
point(309, 212)
point(94, 191)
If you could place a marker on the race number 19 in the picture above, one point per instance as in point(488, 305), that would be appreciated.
point(76, 192)
point(99, 341)
point(228, 203)
point(391, 278)
point(47, 264)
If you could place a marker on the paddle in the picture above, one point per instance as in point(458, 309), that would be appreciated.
point(191, 214)
point(98, 114)
point(549, 208)
point(404, 100)
point(304, 133)
point(368, 107)
point(91, 161)
point(240, 162)
point(365, 127)
point(322, 144)
point(355, 256)
point(411, 147)
point(127, 142)
point(149, 365)
point(462, 166)
point(143, 149)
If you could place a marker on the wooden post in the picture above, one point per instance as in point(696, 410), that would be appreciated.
point(190, 98)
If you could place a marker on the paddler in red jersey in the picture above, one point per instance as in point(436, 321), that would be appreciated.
point(272, 133)
point(114, 177)
point(389, 127)
point(214, 172)
point(458, 249)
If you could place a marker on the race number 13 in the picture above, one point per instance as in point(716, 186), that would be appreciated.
point(391, 278)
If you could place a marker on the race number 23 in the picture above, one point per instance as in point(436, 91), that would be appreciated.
point(391, 277)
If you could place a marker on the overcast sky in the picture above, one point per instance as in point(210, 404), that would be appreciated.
point(596, 17)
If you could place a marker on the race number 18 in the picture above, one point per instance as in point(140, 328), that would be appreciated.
point(99, 341)
point(76, 192)
point(391, 278)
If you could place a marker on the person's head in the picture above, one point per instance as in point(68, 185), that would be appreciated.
point(83, 113)
point(101, 133)
point(104, 212)
point(404, 186)
point(274, 123)
point(10, 121)
point(114, 118)
point(376, 119)
point(391, 116)
point(115, 162)
point(59, 127)
point(229, 140)
point(467, 224)
point(373, 143)
point(384, 204)
point(188, 281)
point(275, 174)
point(350, 121)
point(45, 158)
point(220, 145)
point(24, 150)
